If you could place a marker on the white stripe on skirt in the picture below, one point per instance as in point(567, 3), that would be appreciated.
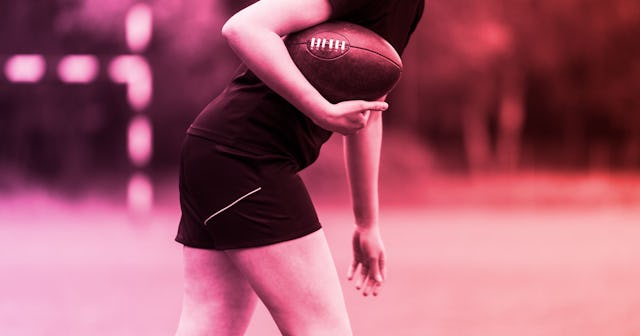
point(232, 203)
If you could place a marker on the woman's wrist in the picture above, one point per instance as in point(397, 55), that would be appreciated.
point(365, 209)
point(317, 110)
point(365, 225)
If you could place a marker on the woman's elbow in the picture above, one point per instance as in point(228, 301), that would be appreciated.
point(229, 29)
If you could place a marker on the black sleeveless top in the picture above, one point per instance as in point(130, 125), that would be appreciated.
point(249, 118)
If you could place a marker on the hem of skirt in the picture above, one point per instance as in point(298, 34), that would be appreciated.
point(248, 244)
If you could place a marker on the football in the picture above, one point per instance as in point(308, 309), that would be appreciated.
point(345, 61)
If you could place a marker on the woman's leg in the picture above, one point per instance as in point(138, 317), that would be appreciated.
point(298, 283)
point(217, 299)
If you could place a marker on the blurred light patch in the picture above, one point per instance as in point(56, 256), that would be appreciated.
point(139, 26)
point(78, 68)
point(25, 68)
point(140, 193)
point(139, 141)
point(134, 71)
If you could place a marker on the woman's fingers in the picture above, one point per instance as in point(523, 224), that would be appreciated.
point(371, 287)
point(364, 119)
point(375, 278)
point(370, 278)
point(383, 266)
point(374, 271)
point(368, 264)
point(375, 106)
point(362, 282)
point(349, 117)
point(359, 120)
point(352, 269)
point(363, 276)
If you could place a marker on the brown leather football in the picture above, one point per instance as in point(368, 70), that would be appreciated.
point(345, 61)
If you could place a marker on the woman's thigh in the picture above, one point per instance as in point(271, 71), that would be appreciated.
point(298, 283)
point(217, 298)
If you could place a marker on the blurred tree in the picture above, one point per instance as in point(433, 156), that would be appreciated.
point(571, 65)
point(464, 86)
point(585, 64)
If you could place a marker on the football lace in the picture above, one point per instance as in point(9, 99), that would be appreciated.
point(330, 44)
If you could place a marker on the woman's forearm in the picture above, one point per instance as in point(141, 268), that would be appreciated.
point(362, 159)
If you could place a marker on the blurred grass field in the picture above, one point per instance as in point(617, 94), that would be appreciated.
point(455, 268)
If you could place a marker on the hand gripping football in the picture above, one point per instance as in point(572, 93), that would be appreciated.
point(345, 61)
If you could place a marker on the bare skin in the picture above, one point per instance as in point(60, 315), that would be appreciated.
point(296, 280)
point(298, 283)
point(217, 298)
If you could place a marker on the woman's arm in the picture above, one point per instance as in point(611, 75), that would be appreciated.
point(362, 158)
point(255, 34)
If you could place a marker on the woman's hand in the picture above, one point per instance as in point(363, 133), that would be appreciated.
point(347, 117)
point(369, 256)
